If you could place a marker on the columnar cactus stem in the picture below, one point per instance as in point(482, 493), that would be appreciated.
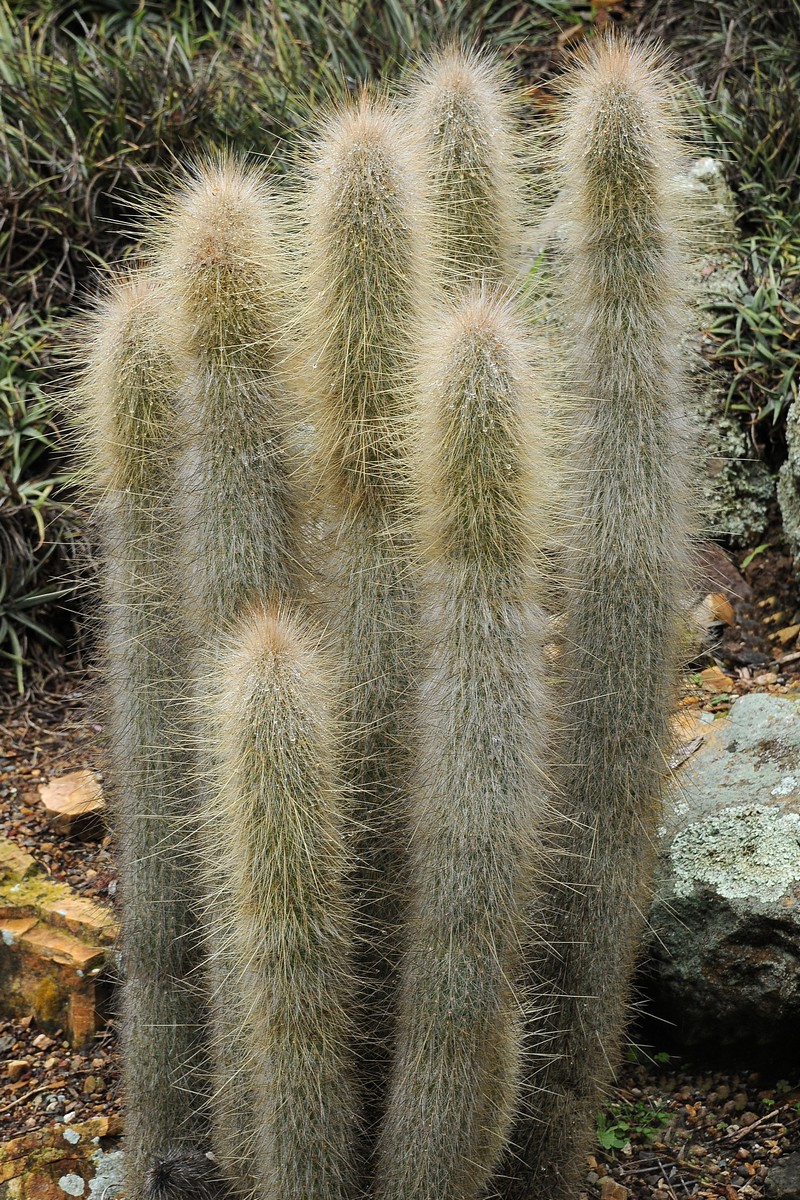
point(462, 112)
point(479, 802)
point(219, 255)
point(128, 402)
point(364, 242)
point(620, 278)
point(280, 823)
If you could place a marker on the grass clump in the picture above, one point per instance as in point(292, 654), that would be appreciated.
point(38, 526)
point(746, 58)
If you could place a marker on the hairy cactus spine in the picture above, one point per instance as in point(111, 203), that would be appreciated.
point(128, 400)
point(462, 111)
point(479, 800)
point(620, 279)
point(218, 252)
point(280, 817)
point(364, 238)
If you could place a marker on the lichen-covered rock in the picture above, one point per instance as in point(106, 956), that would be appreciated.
point(736, 487)
point(789, 483)
point(80, 1159)
point(725, 948)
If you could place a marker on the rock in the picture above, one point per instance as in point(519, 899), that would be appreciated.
point(56, 952)
point(783, 1178)
point(53, 974)
point(16, 1068)
point(725, 922)
point(611, 1190)
point(789, 482)
point(737, 487)
point(49, 1165)
point(15, 863)
point(715, 680)
point(76, 804)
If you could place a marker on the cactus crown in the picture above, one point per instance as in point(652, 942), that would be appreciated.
point(476, 439)
point(210, 248)
point(125, 410)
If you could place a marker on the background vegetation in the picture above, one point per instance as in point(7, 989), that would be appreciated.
point(99, 101)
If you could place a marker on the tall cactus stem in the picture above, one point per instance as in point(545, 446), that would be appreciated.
point(219, 252)
point(479, 801)
point(127, 397)
point(620, 278)
point(365, 238)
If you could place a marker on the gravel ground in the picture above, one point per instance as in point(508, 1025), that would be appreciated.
point(43, 1080)
point(675, 1131)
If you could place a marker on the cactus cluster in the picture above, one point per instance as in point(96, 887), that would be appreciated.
point(391, 623)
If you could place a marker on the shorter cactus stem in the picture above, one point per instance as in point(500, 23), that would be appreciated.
point(280, 823)
point(478, 799)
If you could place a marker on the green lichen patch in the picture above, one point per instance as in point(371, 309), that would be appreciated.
point(740, 852)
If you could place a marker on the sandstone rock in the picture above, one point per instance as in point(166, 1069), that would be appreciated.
point(15, 863)
point(16, 1068)
point(611, 1190)
point(55, 976)
point(715, 680)
point(76, 804)
point(725, 946)
point(55, 949)
point(52, 1163)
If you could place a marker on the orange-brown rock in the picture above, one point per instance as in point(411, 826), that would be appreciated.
point(54, 949)
point(75, 803)
point(15, 863)
point(51, 973)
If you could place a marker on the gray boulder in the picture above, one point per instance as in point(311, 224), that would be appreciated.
point(783, 1180)
point(724, 950)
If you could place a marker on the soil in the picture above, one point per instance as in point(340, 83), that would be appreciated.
point(670, 1129)
point(674, 1131)
point(44, 734)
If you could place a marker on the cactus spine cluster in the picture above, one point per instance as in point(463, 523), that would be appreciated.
point(337, 695)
